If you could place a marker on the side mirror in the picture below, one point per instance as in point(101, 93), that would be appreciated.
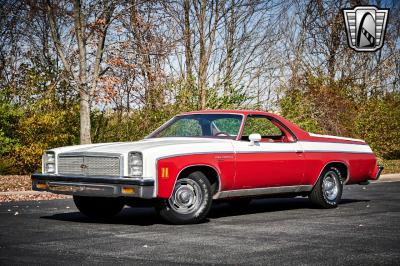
point(254, 138)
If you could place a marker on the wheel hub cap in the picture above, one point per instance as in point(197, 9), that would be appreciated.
point(184, 195)
point(187, 196)
point(330, 187)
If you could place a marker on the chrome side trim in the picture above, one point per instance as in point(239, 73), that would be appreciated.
point(195, 153)
point(295, 151)
point(336, 151)
point(330, 141)
point(262, 191)
point(334, 137)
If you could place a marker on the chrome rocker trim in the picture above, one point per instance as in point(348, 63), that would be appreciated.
point(262, 191)
point(99, 186)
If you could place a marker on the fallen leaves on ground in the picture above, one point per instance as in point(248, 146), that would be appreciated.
point(15, 183)
point(28, 197)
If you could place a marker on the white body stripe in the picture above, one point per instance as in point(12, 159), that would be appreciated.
point(310, 146)
point(158, 148)
point(334, 137)
point(245, 147)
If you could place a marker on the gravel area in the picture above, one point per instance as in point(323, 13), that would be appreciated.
point(19, 188)
point(32, 196)
point(15, 183)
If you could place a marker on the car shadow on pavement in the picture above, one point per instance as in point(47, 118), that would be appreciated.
point(268, 205)
point(148, 216)
point(128, 216)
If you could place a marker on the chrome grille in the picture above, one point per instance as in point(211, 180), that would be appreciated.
point(89, 165)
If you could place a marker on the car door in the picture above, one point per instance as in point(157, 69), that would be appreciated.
point(277, 160)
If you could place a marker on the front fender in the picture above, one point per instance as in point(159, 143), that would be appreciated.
point(168, 170)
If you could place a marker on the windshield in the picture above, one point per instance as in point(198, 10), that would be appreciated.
point(201, 125)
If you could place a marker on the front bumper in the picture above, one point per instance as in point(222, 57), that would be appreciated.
point(99, 186)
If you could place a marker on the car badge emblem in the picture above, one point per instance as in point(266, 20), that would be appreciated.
point(365, 27)
point(84, 166)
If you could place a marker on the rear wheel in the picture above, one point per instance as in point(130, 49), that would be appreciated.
point(327, 192)
point(190, 201)
point(97, 207)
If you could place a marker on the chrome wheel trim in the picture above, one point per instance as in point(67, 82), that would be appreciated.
point(330, 186)
point(187, 196)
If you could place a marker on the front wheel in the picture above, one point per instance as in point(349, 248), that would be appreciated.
point(190, 201)
point(327, 192)
point(97, 207)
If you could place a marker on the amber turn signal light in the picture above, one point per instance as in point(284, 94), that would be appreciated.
point(42, 185)
point(128, 190)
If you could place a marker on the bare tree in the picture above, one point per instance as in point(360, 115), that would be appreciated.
point(86, 34)
point(207, 18)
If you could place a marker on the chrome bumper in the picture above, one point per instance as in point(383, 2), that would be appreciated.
point(99, 186)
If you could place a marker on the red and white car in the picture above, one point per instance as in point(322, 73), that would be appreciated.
point(199, 157)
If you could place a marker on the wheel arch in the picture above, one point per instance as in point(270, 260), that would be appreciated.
point(211, 173)
point(342, 166)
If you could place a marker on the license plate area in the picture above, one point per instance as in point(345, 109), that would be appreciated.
point(82, 189)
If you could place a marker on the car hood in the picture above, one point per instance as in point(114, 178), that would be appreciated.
point(165, 144)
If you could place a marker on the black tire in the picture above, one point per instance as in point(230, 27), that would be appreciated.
point(328, 195)
point(98, 208)
point(190, 201)
point(239, 203)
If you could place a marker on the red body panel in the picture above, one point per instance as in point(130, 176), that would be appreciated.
point(223, 163)
point(258, 170)
point(360, 166)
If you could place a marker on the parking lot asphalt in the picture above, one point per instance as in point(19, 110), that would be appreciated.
point(363, 230)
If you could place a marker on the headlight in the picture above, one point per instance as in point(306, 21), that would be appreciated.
point(135, 164)
point(49, 160)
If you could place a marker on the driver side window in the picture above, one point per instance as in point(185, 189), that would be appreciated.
point(263, 126)
point(226, 125)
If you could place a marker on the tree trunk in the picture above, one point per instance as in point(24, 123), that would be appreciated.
point(84, 113)
point(153, 96)
point(230, 42)
point(83, 92)
point(187, 37)
point(203, 57)
point(334, 43)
